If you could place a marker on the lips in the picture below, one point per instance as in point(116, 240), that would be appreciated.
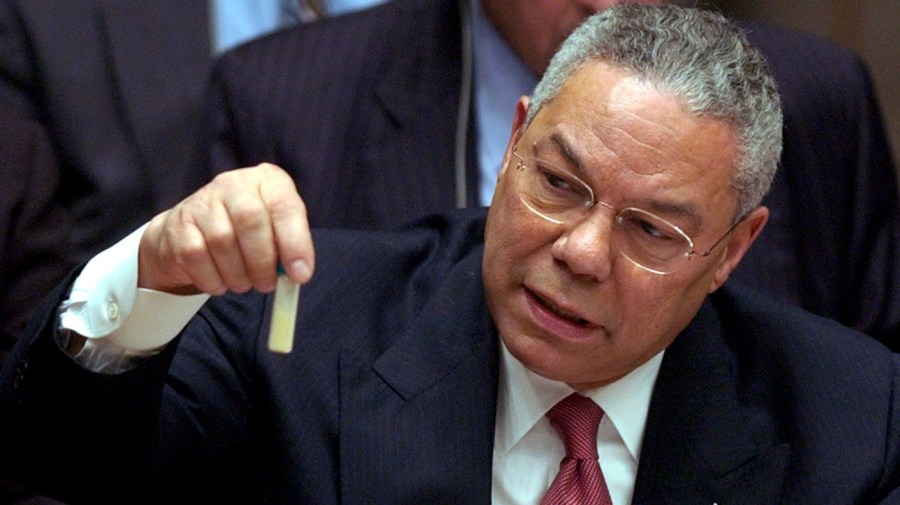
point(562, 313)
point(556, 319)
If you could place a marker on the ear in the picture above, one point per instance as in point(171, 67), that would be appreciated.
point(738, 243)
point(518, 127)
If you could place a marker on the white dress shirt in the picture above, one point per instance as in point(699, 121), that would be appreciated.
point(527, 450)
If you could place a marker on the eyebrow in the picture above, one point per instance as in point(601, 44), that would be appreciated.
point(562, 147)
point(683, 210)
point(664, 208)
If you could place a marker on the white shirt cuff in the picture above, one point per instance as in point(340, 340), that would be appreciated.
point(105, 303)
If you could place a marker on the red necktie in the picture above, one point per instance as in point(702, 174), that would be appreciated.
point(579, 481)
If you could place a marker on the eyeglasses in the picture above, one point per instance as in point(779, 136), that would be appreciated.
point(642, 237)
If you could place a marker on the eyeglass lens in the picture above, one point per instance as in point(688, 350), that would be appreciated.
point(559, 196)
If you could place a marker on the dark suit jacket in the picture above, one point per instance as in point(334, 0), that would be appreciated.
point(34, 230)
point(390, 397)
point(118, 85)
point(362, 111)
point(35, 253)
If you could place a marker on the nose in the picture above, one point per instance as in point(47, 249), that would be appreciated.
point(586, 248)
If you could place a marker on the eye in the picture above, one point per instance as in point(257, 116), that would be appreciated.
point(556, 181)
point(647, 230)
point(652, 230)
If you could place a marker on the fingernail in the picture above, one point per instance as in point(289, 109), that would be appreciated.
point(300, 271)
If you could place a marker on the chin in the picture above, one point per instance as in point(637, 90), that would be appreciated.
point(541, 357)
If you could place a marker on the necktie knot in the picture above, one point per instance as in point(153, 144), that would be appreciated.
point(580, 480)
point(576, 418)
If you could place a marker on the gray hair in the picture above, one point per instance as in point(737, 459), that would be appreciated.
point(702, 60)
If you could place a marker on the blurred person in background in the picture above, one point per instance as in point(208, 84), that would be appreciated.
point(34, 229)
point(34, 243)
point(118, 86)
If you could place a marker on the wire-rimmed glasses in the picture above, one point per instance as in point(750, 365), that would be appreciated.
point(647, 240)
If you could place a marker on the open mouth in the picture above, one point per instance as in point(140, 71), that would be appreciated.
point(556, 310)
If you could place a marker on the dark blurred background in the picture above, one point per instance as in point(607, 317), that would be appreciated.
point(870, 27)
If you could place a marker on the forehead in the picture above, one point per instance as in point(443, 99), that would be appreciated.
point(614, 127)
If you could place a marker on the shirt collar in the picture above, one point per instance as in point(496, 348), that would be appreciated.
point(524, 397)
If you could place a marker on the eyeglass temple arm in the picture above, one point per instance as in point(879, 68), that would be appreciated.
point(727, 233)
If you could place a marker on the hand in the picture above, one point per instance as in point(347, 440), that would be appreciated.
point(229, 235)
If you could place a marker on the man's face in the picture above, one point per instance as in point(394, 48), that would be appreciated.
point(565, 302)
point(536, 28)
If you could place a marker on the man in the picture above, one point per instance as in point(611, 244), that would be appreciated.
point(359, 118)
point(425, 360)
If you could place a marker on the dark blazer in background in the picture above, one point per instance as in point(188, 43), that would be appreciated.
point(362, 111)
point(389, 397)
point(34, 247)
point(119, 86)
point(833, 246)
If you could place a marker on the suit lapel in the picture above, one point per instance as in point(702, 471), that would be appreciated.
point(425, 408)
point(417, 97)
point(703, 444)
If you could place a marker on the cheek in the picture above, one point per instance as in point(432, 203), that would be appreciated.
point(514, 246)
point(513, 232)
point(507, 256)
point(658, 306)
point(501, 248)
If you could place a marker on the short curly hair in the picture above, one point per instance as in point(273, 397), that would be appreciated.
point(701, 59)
